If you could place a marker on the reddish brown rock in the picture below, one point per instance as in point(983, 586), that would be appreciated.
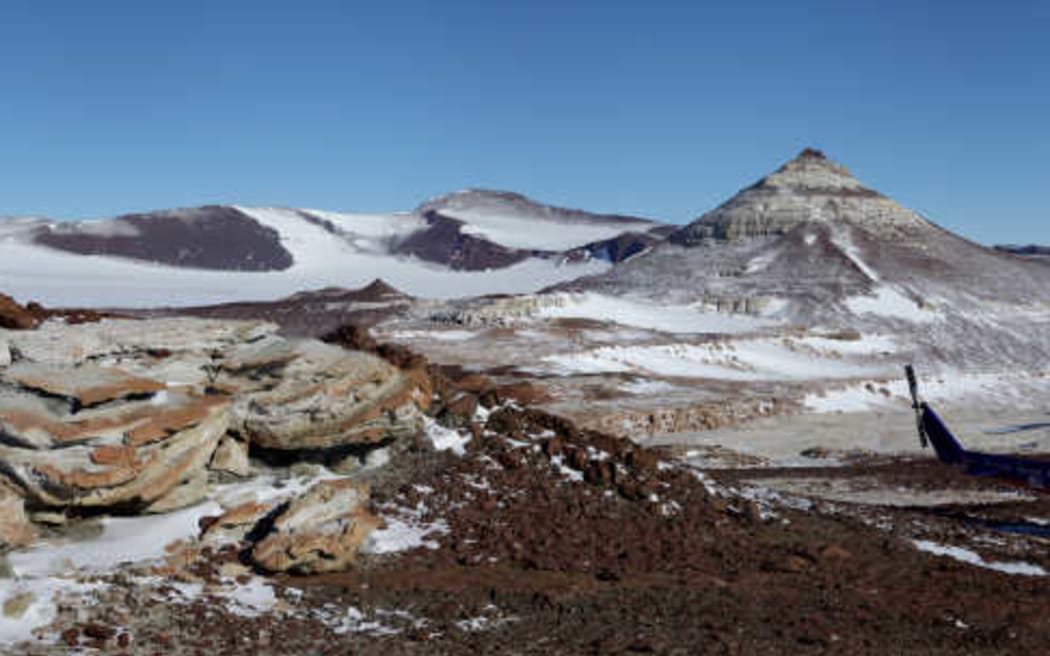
point(321, 531)
point(15, 317)
point(84, 386)
point(91, 465)
point(235, 523)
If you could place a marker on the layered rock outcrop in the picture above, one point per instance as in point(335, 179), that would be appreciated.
point(327, 397)
point(809, 188)
point(131, 414)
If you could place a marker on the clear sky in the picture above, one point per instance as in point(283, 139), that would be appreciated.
point(663, 109)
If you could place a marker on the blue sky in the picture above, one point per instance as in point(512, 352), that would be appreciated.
point(658, 108)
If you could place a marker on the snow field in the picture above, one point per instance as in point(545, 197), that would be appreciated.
point(682, 319)
point(29, 272)
point(973, 558)
point(531, 232)
point(742, 359)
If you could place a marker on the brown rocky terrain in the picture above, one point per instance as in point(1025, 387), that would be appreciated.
point(310, 313)
point(537, 537)
point(14, 316)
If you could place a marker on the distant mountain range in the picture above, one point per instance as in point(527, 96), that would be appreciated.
point(808, 244)
point(465, 243)
point(1031, 251)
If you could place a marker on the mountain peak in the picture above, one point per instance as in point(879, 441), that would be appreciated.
point(811, 188)
point(812, 172)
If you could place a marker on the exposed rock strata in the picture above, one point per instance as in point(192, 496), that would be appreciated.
point(808, 188)
point(130, 414)
point(329, 397)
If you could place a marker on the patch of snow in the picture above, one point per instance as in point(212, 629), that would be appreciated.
point(270, 489)
point(352, 620)
point(646, 386)
point(566, 471)
point(760, 262)
point(891, 303)
point(856, 398)
point(41, 596)
point(679, 319)
point(96, 228)
point(123, 540)
point(372, 232)
point(484, 622)
point(973, 558)
point(850, 250)
point(532, 232)
point(404, 529)
point(445, 439)
point(869, 344)
point(249, 599)
point(439, 335)
point(773, 307)
point(945, 386)
point(751, 359)
point(377, 458)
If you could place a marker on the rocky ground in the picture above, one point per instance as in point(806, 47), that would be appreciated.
point(185, 486)
point(549, 540)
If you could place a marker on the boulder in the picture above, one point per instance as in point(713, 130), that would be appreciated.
point(15, 528)
point(321, 531)
point(329, 397)
point(231, 457)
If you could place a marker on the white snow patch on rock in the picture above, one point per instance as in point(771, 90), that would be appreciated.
point(530, 232)
point(404, 529)
point(891, 303)
point(123, 540)
point(754, 359)
point(681, 319)
point(40, 610)
point(446, 439)
point(249, 599)
point(973, 558)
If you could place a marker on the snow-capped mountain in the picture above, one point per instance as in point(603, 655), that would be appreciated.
point(811, 245)
point(510, 219)
point(465, 244)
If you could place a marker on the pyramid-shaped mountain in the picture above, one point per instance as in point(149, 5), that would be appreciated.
point(808, 189)
point(810, 244)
